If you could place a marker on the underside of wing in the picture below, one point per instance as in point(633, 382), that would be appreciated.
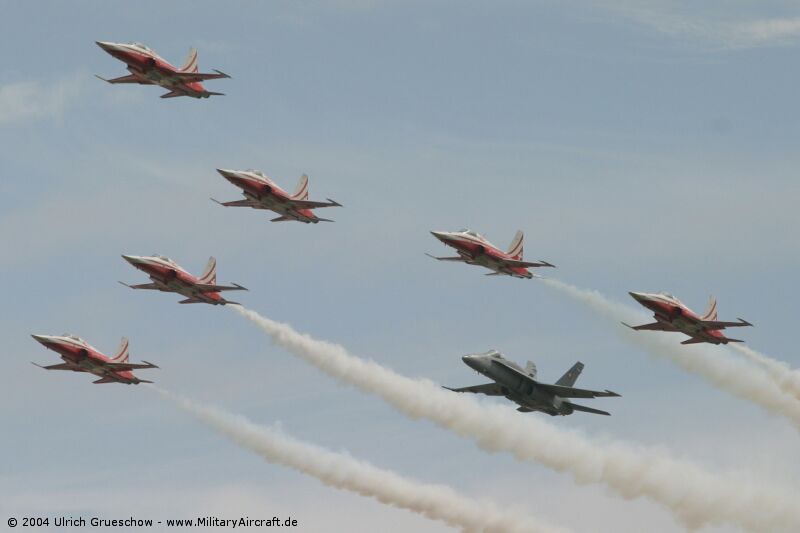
point(173, 94)
point(239, 203)
point(572, 392)
point(459, 258)
point(189, 77)
point(310, 204)
point(587, 409)
point(145, 286)
point(60, 366)
point(130, 78)
point(122, 367)
point(218, 288)
point(655, 326)
point(719, 324)
point(489, 389)
point(526, 264)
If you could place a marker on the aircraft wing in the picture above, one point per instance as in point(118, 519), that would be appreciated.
point(217, 288)
point(60, 366)
point(147, 286)
point(489, 389)
point(588, 409)
point(571, 392)
point(526, 264)
point(309, 204)
point(125, 79)
point(121, 367)
point(459, 258)
point(189, 77)
point(717, 324)
point(655, 326)
point(238, 203)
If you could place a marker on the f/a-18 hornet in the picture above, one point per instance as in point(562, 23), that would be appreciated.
point(673, 315)
point(474, 249)
point(148, 68)
point(521, 387)
point(168, 276)
point(79, 356)
point(261, 192)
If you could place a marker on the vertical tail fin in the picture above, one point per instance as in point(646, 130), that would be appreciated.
point(530, 369)
point(711, 311)
point(191, 62)
point(301, 192)
point(209, 276)
point(568, 379)
point(515, 250)
point(122, 352)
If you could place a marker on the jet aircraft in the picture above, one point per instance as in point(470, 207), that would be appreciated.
point(168, 276)
point(474, 249)
point(261, 192)
point(521, 386)
point(148, 68)
point(673, 315)
point(79, 356)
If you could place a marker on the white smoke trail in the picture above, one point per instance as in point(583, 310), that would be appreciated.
point(696, 496)
point(344, 472)
point(785, 377)
point(710, 362)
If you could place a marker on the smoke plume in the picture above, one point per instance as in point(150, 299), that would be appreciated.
point(785, 377)
point(694, 495)
point(344, 472)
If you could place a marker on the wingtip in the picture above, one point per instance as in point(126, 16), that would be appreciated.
point(745, 322)
point(334, 203)
point(149, 363)
point(222, 73)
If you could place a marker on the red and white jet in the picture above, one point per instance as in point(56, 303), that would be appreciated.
point(168, 276)
point(148, 68)
point(79, 356)
point(673, 315)
point(261, 192)
point(474, 249)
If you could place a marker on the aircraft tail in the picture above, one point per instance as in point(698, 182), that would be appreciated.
point(530, 369)
point(209, 276)
point(515, 250)
point(301, 192)
point(569, 379)
point(711, 311)
point(191, 62)
point(122, 352)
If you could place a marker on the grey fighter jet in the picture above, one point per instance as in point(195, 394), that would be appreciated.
point(520, 385)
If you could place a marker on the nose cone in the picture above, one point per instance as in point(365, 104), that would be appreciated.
point(133, 259)
point(441, 235)
point(109, 46)
point(639, 296)
point(43, 339)
point(227, 174)
point(476, 362)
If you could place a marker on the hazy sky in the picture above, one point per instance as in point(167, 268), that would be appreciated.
point(640, 145)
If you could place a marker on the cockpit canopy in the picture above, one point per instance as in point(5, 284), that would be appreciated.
point(471, 233)
point(141, 47)
point(165, 259)
point(75, 338)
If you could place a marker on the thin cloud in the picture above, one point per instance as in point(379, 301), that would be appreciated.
point(35, 100)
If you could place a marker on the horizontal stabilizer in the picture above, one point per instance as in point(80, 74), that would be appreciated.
point(587, 409)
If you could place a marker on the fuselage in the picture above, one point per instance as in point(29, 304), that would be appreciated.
point(667, 309)
point(476, 250)
point(148, 66)
point(170, 277)
point(259, 188)
point(82, 357)
point(516, 385)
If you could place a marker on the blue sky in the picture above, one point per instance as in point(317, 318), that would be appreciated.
point(640, 145)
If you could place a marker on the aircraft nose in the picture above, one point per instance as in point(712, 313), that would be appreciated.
point(638, 296)
point(132, 259)
point(441, 235)
point(227, 174)
point(473, 361)
point(107, 46)
point(43, 339)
